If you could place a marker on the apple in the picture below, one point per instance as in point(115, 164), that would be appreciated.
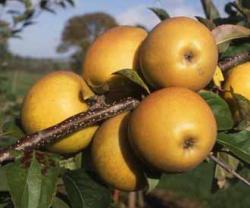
point(179, 52)
point(114, 50)
point(172, 130)
point(113, 158)
point(54, 98)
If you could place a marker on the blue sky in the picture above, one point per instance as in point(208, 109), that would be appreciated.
point(41, 39)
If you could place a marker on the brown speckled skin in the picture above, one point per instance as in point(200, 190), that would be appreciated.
point(113, 158)
point(162, 54)
point(162, 122)
point(114, 50)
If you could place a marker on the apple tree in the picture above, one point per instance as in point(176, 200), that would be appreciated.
point(33, 177)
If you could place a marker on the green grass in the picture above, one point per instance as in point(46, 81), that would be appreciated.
point(18, 82)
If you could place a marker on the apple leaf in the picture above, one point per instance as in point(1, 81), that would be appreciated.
point(243, 107)
point(237, 143)
point(243, 4)
point(208, 23)
point(84, 191)
point(59, 203)
point(3, 182)
point(221, 175)
point(133, 76)
point(227, 32)
point(32, 185)
point(160, 13)
point(220, 109)
point(233, 50)
point(210, 10)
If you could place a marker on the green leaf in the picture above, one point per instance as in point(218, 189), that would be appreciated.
point(3, 181)
point(59, 203)
point(160, 13)
point(221, 175)
point(71, 2)
point(32, 186)
point(243, 106)
point(84, 191)
point(210, 10)
point(227, 32)
point(237, 143)
point(152, 183)
point(244, 3)
point(233, 50)
point(133, 76)
point(208, 23)
point(220, 109)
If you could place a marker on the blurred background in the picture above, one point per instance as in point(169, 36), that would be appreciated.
point(38, 36)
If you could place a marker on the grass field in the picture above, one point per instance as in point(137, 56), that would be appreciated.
point(195, 184)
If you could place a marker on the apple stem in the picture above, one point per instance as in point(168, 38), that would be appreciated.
point(228, 169)
point(53, 134)
point(233, 61)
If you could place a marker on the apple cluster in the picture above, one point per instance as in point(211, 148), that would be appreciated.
point(172, 130)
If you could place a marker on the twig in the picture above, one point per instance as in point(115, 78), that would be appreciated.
point(132, 200)
point(55, 133)
point(227, 168)
point(230, 62)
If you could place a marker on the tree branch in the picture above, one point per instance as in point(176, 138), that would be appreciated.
point(233, 61)
point(55, 133)
point(228, 169)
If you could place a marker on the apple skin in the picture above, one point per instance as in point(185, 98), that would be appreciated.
point(239, 80)
point(172, 130)
point(179, 52)
point(52, 99)
point(113, 158)
point(114, 50)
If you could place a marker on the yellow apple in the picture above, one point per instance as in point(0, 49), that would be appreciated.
point(112, 157)
point(172, 130)
point(239, 80)
point(53, 99)
point(114, 50)
point(179, 52)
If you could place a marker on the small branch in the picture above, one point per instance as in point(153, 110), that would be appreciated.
point(233, 61)
point(55, 133)
point(132, 200)
point(228, 169)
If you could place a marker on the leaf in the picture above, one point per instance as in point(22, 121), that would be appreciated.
point(133, 76)
point(160, 13)
point(71, 2)
point(221, 175)
point(236, 49)
point(210, 10)
point(218, 77)
point(227, 32)
point(152, 183)
point(244, 3)
point(237, 143)
point(243, 107)
point(84, 191)
point(220, 109)
point(3, 181)
point(208, 23)
point(59, 203)
point(32, 186)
